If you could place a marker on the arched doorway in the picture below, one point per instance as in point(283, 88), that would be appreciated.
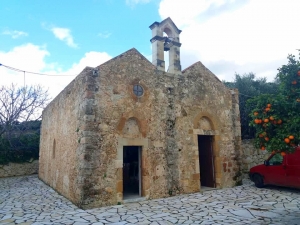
point(206, 136)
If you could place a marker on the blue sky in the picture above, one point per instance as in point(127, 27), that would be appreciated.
point(111, 26)
point(62, 37)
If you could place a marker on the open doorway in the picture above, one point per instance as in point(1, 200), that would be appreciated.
point(131, 172)
point(206, 161)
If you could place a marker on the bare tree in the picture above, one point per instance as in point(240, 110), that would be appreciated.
point(19, 106)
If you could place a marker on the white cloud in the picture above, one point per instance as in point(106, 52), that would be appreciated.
point(32, 58)
point(15, 33)
point(91, 59)
point(192, 9)
point(132, 3)
point(105, 34)
point(64, 34)
point(25, 57)
point(233, 37)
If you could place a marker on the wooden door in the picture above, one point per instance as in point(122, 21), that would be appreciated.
point(131, 171)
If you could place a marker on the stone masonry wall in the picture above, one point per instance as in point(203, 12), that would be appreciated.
point(91, 121)
point(251, 156)
point(237, 136)
point(19, 169)
point(62, 139)
point(123, 119)
point(164, 121)
point(204, 96)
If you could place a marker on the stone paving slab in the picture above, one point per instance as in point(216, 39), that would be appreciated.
point(27, 200)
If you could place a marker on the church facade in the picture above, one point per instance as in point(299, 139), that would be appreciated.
point(128, 129)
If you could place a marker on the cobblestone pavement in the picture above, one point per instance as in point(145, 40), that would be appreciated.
point(27, 200)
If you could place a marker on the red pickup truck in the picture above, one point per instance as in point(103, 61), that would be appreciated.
point(278, 170)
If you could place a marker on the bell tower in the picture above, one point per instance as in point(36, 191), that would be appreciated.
point(169, 43)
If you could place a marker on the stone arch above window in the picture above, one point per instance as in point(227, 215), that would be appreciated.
point(132, 122)
point(205, 123)
point(131, 128)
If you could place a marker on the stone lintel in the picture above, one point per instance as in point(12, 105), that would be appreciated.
point(158, 144)
point(130, 142)
point(118, 164)
point(205, 132)
point(157, 38)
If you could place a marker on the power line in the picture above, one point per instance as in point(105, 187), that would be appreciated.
point(41, 74)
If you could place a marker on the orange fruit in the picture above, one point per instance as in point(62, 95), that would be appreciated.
point(271, 118)
point(269, 105)
point(279, 121)
point(267, 109)
point(294, 82)
point(260, 121)
point(267, 139)
point(286, 140)
point(260, 135)
point(263, 148)
point(283, 153)
point(255, 113)
point(266, 120)
point(256, 121)
point(291, 137)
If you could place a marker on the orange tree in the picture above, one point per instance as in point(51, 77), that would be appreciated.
point(276, 117)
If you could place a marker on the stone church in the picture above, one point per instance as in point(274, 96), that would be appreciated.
point(131, 130)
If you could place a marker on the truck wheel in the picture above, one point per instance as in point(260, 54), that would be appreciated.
point(258, 180)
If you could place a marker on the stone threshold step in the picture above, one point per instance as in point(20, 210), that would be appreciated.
point(132, 200)
point(205, 189)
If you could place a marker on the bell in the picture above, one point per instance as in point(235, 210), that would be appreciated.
point(167, 44)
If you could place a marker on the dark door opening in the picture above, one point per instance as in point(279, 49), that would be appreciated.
point(206, 161)
point(131, 172)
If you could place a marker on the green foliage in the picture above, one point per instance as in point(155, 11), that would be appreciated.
point(249, 86)
point(23, 145)
point(278, 126)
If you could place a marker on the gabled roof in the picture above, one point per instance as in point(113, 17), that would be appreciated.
point(199, 64)
point(129, 52)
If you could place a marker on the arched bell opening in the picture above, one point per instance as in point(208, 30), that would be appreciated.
point(168, 39)
point(166, 46)
point(166, 50)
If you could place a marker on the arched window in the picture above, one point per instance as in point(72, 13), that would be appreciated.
point(53, 149)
